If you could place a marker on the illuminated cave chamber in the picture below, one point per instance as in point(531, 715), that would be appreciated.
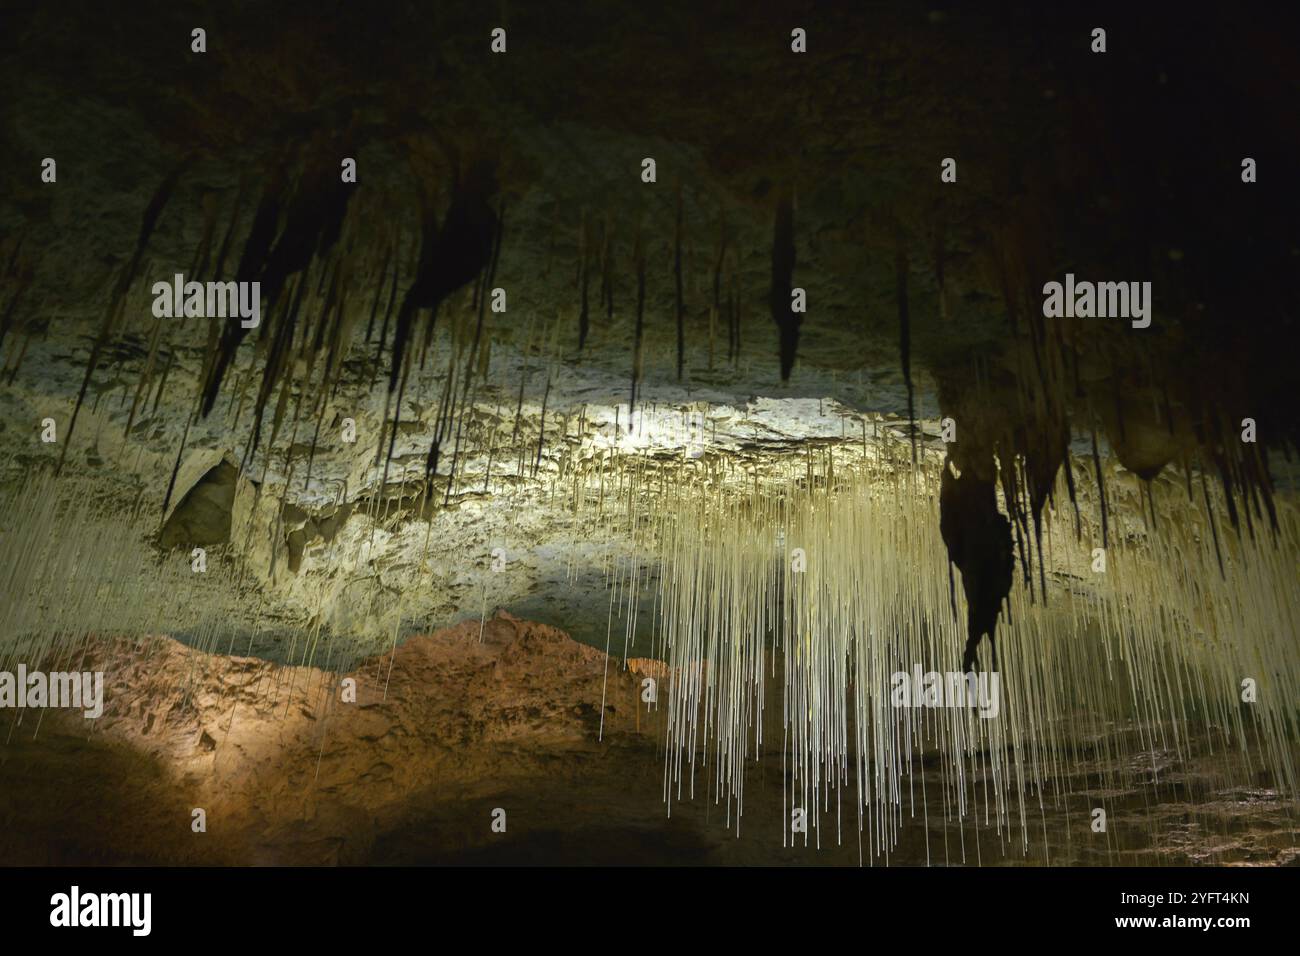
point(760, 437)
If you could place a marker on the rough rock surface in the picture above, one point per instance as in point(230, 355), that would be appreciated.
point(444, 730)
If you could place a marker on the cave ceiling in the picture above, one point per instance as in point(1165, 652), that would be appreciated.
point(923, 296)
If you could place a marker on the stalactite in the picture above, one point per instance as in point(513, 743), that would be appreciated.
point(783, 262)
point(905, 336)
point(717, 309)
point(607, 269)
point(638, 255)
point(277, 359)
point(733, 611)
point(116, 301)
point(1101, 491)
point(584, 282)
point(389, 257)
point(450, 259)
point(6, 319)
point(679, 308)
point(176, 467)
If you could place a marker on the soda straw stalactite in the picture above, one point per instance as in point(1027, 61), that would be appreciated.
point(822, 591)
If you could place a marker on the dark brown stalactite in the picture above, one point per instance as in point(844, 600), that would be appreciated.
point(162, 382)
point(147, 224)
point(434, 454)
point(379, 291)
point(18, 360)
point(1257, 461)
point(467, 399)
point(442, 420)
point(146, 376)
point(1229, 494)
point(731, 326)
point(203, 252)
point(392, 302)
point(541, 432)
point(266, 219)
point(257, 248)
point(461, 250)
point(717, 294)
point(679, 307)
point(606, 267)
point(1046, 449)
point(392, 434)
point(285, 322)
point(1025, 516)
point(519, 402)
point(952, 590)
point(218, 267)
point(277, 419)
point(783, 261)
point(492, 447)
point(1016, 514)
point(639, 255)
point(426, 342)
point(279, 348)
point(233, 411)
point(176, 467)
point(496, 248)
point(315, 439)
point(7, 319)
point(584, 283)
point(1151, 502)
point(209, 357)
point(336, 340)
point(466, 410)
point(322, 327)
point(1070, 488)
point(1101, 489)
point(1252, 485)
point(940, 261)
point(978, 539)
point(905, 337)
point(1247, 496)
point(489, 279)
point(11, 267)
point(313, 222)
